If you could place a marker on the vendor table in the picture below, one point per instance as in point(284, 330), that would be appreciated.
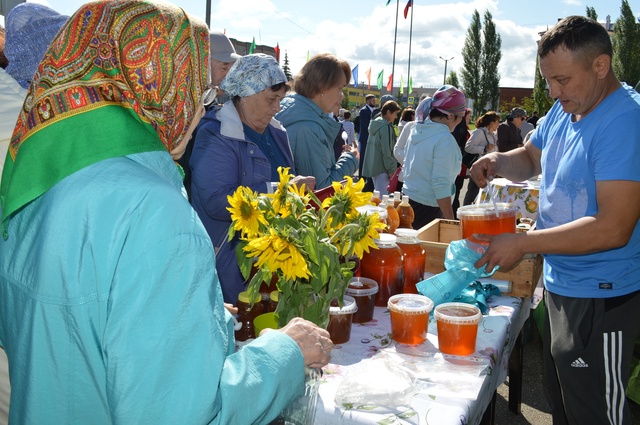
point(524, 195)
point(497, 336)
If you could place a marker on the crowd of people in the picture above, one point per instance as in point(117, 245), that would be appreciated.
point(115, 251)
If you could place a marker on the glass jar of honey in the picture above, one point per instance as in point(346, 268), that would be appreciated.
point(413, 256)
point(274, 296)
point(246, 315)
point(364, 291)
point(384, 265)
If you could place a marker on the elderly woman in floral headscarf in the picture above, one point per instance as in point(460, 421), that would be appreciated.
point(433, 157)
point(110, 309)
point(240, 144)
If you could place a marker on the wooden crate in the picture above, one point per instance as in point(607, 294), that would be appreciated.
point(436, 236)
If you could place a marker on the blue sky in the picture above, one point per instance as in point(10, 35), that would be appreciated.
point(362, 31)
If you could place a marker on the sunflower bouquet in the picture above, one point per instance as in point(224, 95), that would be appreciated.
point(303, 242)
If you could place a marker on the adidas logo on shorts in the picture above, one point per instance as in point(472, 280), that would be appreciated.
point(579, 363)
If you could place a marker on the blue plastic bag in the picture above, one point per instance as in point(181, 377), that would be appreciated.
point(459, 261)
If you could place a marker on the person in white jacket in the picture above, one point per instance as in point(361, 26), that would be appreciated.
point(482, 141)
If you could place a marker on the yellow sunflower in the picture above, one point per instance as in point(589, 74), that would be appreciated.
point(245, 214)
point(278, 254)
point(345, 200)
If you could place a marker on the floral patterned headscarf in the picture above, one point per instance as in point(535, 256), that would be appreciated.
point(447, 99)
point(121, 77)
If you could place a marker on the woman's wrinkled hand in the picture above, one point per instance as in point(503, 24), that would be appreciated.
point(308, 181)
point(313, 341)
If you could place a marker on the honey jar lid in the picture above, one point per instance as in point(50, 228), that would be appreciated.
point(458, 313)
point(410, 303)
point(361, 287)
point(349, 306)
point(243, 297)
point(274, 296)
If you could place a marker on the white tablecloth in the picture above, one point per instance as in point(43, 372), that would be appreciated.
point(497, 334)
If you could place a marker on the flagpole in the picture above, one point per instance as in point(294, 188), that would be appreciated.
point(395, 37)
point(208, 13)
point(410, 37)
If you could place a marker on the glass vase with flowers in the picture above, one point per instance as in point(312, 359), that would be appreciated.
point(303, 242)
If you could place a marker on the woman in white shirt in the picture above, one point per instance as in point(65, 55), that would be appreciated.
point(483, 140)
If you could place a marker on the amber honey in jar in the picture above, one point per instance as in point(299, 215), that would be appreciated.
point(340, 319)
point(405, 213)
point(384, 265)
point(364, 291)
point(409, 314)
point(484, 219)
point(413, 259)
point(457, 327)
point(246, 314)
point(274, 296)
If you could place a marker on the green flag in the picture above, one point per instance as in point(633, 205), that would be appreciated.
point(401, 84)
point(388, 1)
point(380, 79)
point(410, 86)
point(308, 56)
point(253, 46)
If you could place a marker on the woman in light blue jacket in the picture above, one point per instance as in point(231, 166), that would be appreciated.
point(433, 157)
point(110, 306)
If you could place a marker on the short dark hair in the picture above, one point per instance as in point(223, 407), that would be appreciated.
point(389, 106)
point(578, 34)
point(408, 114)
point(275, 87)
point(321, 72)
point(347, 115)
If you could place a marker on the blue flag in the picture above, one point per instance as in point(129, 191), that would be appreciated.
point(354, 73)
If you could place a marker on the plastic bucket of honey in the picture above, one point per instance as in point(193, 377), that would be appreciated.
point(364, 291)
point(457, 327)
point(409, 318)
point(340, 319)
point(484, 219)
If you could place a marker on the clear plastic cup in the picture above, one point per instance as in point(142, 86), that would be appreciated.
point(364, 291)
point(457, 327)
point(409, 318)
point(485, 219)
point(340, 319)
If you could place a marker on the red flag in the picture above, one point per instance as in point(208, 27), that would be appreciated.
point(368, 74)
point(406, 8)
point(277, 49)
point(390, 83)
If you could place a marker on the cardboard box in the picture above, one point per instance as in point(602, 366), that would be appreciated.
point(436, 236)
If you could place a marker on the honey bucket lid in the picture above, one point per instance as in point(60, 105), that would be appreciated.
point(349, 306)
point(361, 287)
point(473, 317)
point(274, 296)
point(410, 303)
point(485, 209)
point(243, 297)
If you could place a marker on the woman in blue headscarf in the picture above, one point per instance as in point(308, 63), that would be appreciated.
point(433, 157)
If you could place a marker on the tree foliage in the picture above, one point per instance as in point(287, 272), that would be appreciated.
point(471, 54)
point(626, 46)
point(541, 99)
point(491, 55)
point(591, 13)
point(452, 79)
point(481, 55)
point(286, 69)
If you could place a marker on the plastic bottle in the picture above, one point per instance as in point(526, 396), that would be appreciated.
point(406, 214)
point(375, 198)
point(384, 265)
point(397, 198)
point(393, 219)
point(413, 259)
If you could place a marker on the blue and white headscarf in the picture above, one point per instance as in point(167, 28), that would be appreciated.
point(252, 74)
point(30, 29)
